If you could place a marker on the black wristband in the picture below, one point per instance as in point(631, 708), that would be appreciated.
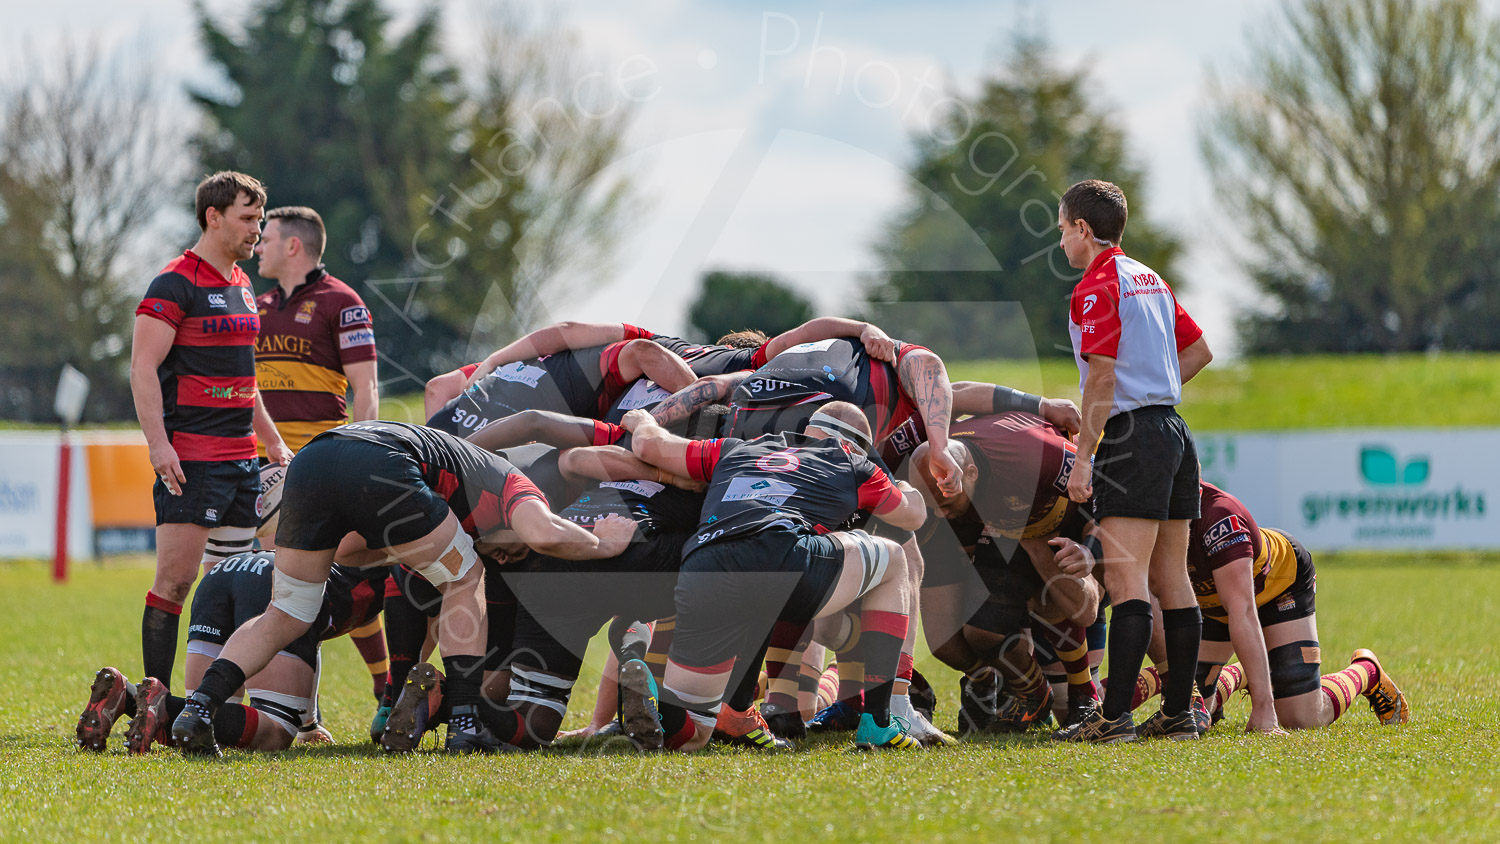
point(1007, 399)
point(1095, 547)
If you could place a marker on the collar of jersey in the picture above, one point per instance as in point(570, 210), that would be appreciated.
point(315, 275)
point(1109, 254)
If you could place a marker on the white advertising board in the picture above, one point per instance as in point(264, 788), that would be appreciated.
point(1365, 488)
point(28, 498)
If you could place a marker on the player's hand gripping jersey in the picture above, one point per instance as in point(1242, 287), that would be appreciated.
point(784, 393)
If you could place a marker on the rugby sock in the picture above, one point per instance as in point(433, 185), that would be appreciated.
point(370, 640)
point(1129, 635)
point(1070, 643)
point(828, 688)
point(633, 638)
point(461, 689)
point(1231, 679)
point(1183, 628)
point(405, 634)
point(159, 637)
point(784, 664)
point(1147, 685)
point(662, 634)
point(809, 679)
point(1344, 686)
point(881, 637)
point(905, 667)
point(235, 725)
point(1019, 669)
point(221, 681)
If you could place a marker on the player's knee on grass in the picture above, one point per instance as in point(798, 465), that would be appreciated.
point(1296, 669)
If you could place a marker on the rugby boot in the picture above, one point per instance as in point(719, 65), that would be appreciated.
point(923, 731)
point(1079, 708)
point(1097, 729)
point(638, 712)
point(1180, 727)
point(150, 724)
point(421, 695)
point(923, 696)
point(747, 729)
point(893, 736)
point(836, 717)
point(1202, 718)
point(787, 724)
point(193, 731)
point(467, 734)
point(1019, 714)
point(610, 730)
point(1388, 702)
point(107, 699)
point(978, 701)
point(377, 724)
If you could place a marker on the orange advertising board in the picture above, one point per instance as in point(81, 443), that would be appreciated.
point(120, 479)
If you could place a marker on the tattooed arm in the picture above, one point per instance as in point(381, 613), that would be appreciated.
point(706, 390)
point(924, 379)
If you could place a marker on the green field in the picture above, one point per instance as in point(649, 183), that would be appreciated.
point(1434, 619)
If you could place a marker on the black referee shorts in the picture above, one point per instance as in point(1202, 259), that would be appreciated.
point(1146, 467)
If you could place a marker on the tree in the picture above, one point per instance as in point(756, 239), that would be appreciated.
point(91, 154)
point(978, 233)
point(1360, 156)
point(730, 301)
point(457, 200)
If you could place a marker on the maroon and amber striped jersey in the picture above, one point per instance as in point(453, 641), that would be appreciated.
point(482, 488)
point(208, 377)
point(306, 340)
point(1023, 463)
point(1226, 532)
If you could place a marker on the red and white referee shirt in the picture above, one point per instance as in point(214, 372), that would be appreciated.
point(1122, 309)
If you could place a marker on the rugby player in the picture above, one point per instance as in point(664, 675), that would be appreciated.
point(768, 548)
point(192, 378)
point(231, 593)
point(1256, 587)
point(1135, 347)
point(316, 342)
point(1013, 470)
point(413, 495)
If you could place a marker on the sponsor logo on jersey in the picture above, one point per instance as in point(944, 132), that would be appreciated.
point(1225, 532)
point(768, 490)
point(357, 337)
point(1060, 483)
point(305, 312)
point(1088, 303)
point(229, 393)
point(228, 324)
point(249, 300)
point(646, 489)
point(216, 300)
point(521, 373)
point(780, 461)
point(353, 316)
point(643, 393)
point(805, 348)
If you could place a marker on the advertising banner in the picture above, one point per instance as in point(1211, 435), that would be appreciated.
point(1365, 489)
point(28, 497)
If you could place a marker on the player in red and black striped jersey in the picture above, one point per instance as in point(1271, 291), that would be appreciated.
point(192, 376)
point(416, 496)
point(768, 547)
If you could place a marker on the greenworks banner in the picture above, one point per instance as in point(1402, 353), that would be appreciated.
point(1365, 489)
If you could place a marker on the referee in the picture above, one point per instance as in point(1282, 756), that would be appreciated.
point(192, 377)
point(1135, 347)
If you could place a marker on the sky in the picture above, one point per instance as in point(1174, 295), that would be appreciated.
point(778, 137)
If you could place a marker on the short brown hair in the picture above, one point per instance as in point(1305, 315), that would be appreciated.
point(302, 223)
point(223, 189)
point(747, 338)
point(1099, 203)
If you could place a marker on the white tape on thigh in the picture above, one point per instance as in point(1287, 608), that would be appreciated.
point(874, 557)
point(297, 598)
point(453, 563)
point(283, 706)
point(268, 506)
point(225, 542)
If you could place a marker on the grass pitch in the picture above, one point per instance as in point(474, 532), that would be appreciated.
point(1432, 619)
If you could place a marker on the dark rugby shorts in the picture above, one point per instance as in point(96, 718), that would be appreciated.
point(236, 590)
point(340, 484)
point(1146, 467)
point(218, 492)
point(1297, 601)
